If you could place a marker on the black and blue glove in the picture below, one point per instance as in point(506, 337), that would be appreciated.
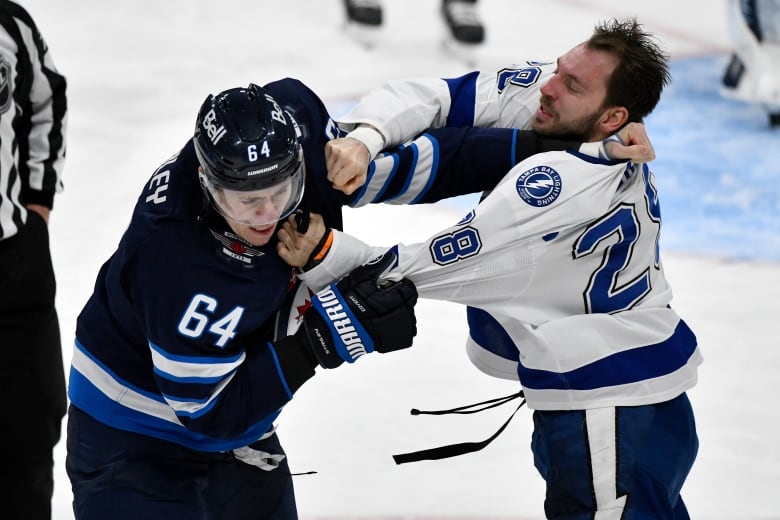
point(360, 314)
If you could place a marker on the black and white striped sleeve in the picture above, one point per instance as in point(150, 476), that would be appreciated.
point(33, 116)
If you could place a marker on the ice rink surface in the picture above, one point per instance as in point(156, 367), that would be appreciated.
point(137, 73)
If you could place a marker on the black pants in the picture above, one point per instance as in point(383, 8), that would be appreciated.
point(32, 379)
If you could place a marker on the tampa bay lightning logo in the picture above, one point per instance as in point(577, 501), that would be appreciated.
point(539, 186)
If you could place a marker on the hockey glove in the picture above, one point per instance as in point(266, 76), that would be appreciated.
point(360, 314)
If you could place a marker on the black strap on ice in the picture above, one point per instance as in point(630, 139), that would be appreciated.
point(470, 408)
point(454, 450)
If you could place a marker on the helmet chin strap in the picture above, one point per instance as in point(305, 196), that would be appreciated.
point(302, 213)
point(302, 216)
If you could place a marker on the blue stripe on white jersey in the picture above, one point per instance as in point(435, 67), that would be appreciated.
point(620, 368)
point(633, 374)
point(463, 93)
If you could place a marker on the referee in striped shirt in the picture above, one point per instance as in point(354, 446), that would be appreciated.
point(32, 152)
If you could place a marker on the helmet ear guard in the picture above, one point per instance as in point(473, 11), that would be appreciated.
point(245, 142)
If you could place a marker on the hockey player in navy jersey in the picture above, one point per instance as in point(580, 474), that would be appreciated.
point(192, 342)
point(177, 373)
point(560, 266)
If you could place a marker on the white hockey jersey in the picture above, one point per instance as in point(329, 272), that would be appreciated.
point(402, 110)
point(561, 260)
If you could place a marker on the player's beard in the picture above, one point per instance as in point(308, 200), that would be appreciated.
point(578, 130)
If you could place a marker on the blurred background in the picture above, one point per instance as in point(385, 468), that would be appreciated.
point(138, 71)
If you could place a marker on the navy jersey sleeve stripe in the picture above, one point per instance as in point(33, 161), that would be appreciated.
point(279, 370)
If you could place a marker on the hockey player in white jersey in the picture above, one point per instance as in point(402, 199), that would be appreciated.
point(400, 110)
point(561, 269)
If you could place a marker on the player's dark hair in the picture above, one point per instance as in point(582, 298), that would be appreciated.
point(642, 71)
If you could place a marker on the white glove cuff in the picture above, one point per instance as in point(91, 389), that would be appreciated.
point(369, 136)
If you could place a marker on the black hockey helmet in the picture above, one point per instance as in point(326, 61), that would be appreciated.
point(250, 155)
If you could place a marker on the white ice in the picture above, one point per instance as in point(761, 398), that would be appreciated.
point(138, 70)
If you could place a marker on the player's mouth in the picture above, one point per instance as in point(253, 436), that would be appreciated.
point(543, 113)
point(263, 229)
point(258, 235)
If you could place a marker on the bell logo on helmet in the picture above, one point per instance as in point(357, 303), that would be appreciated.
point(209, 125)
point(276, 113)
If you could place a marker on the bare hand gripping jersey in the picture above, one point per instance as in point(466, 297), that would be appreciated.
point(561, 265)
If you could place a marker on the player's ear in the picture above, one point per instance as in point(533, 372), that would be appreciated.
point(613, 120)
